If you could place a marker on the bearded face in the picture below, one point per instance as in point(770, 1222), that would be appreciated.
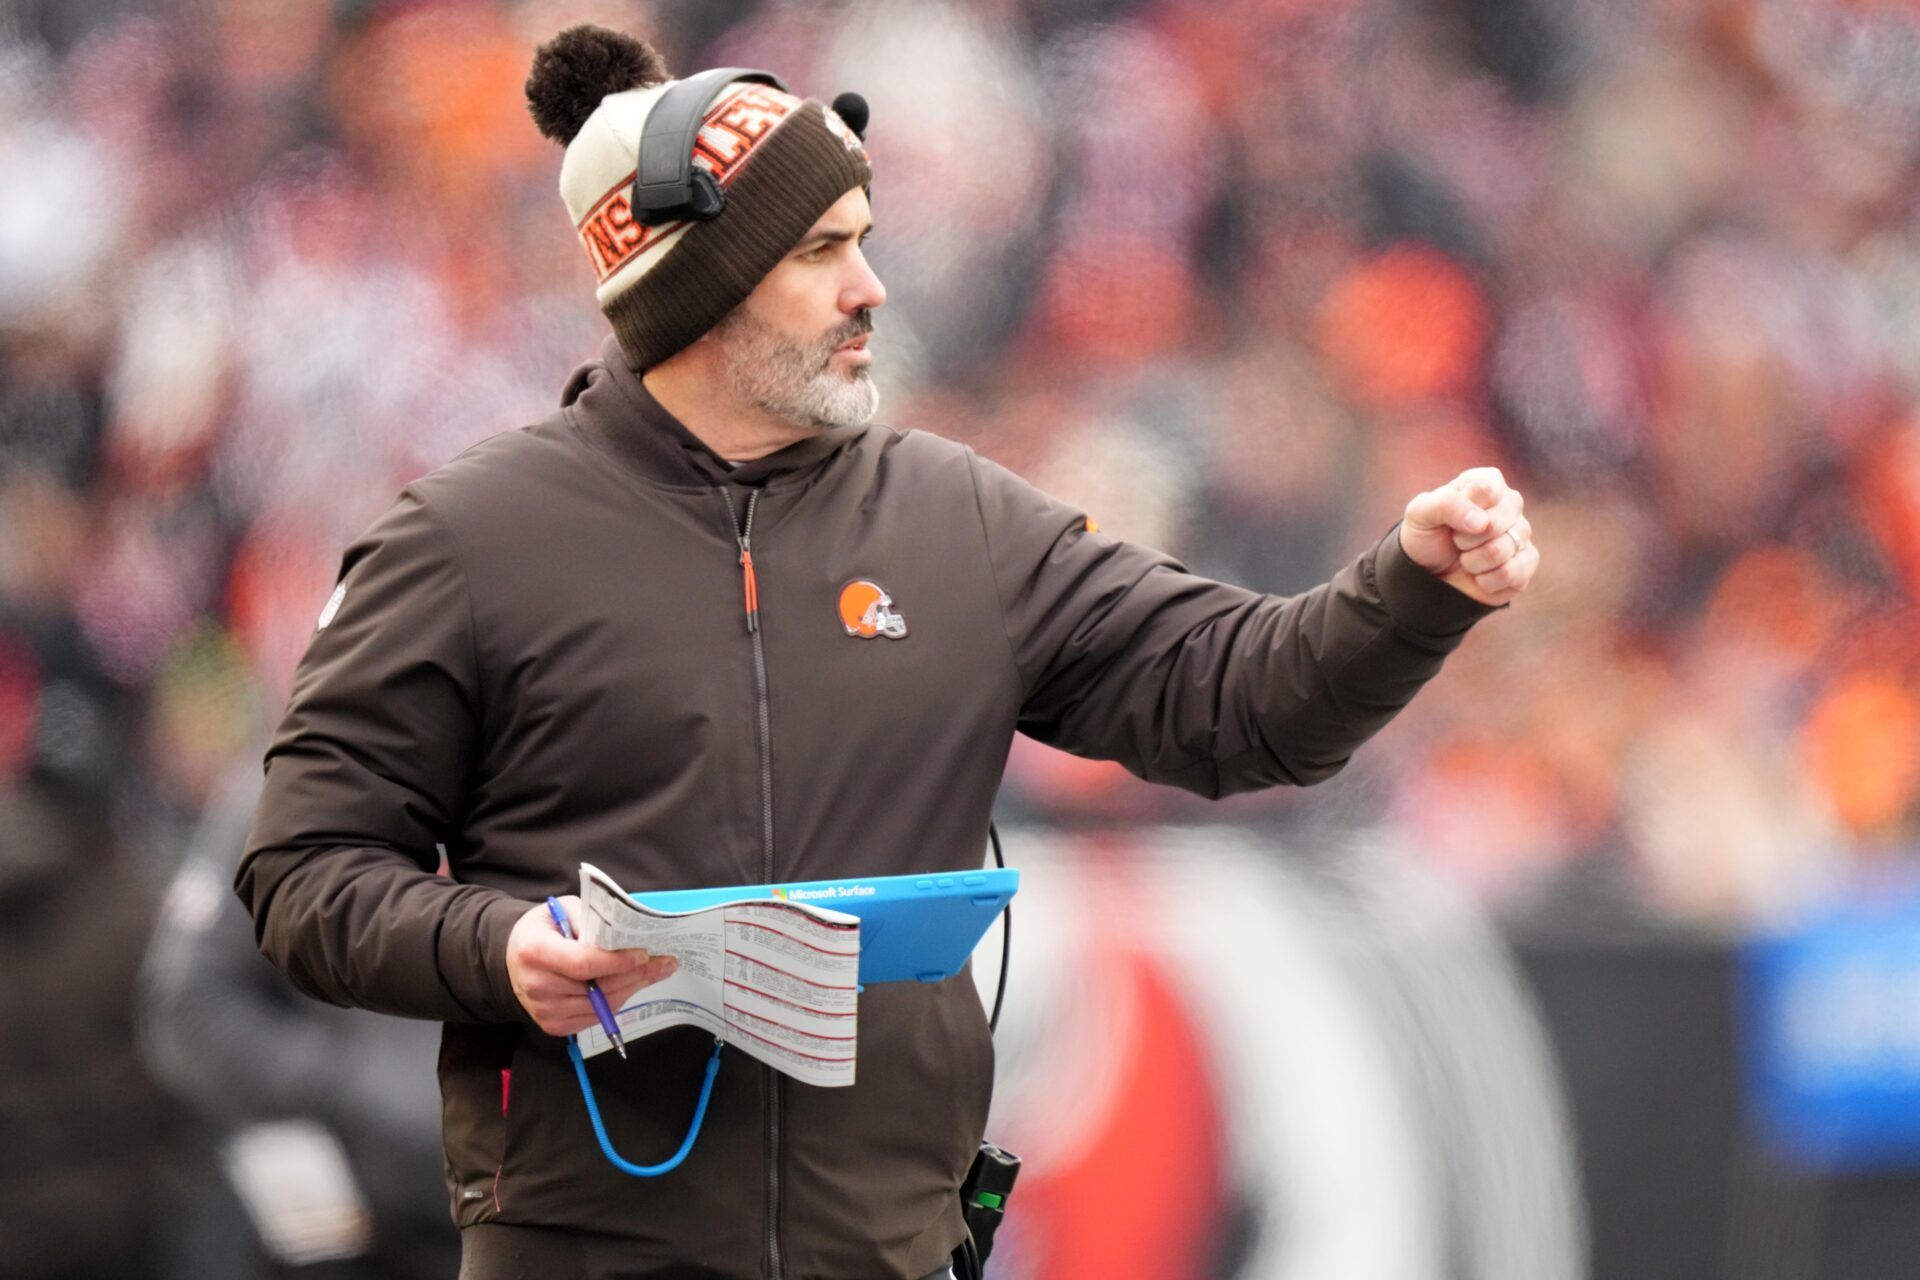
point(799, 382)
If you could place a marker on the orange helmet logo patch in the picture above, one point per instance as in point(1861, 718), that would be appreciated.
point(867, 611)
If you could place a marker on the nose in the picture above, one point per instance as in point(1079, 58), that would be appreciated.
point(864, 290)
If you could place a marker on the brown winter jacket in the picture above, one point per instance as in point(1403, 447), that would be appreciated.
point(543, 654)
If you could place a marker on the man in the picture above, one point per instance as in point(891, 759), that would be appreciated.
point(706, 626)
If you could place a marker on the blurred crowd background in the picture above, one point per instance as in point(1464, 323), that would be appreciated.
point(1241, 276)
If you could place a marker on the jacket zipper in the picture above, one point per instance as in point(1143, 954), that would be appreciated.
point(743, 534)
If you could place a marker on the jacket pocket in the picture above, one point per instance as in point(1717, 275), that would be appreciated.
point(475, 1094)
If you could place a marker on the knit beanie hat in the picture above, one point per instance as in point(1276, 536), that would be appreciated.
point(780, 160)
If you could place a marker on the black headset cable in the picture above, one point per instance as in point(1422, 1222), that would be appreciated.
point(1006, 933)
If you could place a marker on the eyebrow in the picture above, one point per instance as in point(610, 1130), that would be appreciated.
point(829, 237)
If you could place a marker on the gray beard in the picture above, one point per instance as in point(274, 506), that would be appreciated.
point(795, 383)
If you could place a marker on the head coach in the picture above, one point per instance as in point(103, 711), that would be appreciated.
point(707, 624)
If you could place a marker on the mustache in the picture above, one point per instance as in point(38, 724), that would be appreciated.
point(861, 323)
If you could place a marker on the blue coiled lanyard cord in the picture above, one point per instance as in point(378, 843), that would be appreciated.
point(619, 1161)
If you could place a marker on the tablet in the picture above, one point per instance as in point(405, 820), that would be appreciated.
point(919, 928)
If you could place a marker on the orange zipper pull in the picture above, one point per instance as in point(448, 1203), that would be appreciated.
point(753, 590)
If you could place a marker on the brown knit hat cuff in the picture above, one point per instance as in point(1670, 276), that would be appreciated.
point(794, 175)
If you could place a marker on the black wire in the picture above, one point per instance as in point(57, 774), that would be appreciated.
point(1006, 933)
point(970, 1259)
point(971, 1266)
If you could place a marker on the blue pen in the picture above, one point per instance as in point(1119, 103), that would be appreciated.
point(600, 1009)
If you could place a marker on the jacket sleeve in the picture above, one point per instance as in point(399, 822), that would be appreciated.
point(1124, 655)
point(366, 773)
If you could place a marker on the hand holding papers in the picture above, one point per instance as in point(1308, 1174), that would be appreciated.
point(777, 979)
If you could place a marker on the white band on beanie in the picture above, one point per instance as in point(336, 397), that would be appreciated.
point(596, 179)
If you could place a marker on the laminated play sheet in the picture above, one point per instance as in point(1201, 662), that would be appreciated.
point(775, 978)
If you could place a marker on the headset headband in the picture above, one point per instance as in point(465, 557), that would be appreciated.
point(667, 185)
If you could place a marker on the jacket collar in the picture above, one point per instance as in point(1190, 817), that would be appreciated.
point(616, 411)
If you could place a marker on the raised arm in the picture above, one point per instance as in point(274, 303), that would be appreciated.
point(1125, 655)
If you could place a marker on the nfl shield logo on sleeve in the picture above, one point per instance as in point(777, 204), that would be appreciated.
point(333, 606)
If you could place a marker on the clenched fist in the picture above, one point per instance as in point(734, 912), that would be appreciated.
point(1470, 534)
point(550, 973)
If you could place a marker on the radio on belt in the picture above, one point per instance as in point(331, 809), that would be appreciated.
point(983, 1196)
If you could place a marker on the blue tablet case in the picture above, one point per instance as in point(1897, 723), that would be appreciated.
point(911, 927)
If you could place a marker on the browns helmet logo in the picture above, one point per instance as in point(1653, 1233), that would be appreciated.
point(867, 611)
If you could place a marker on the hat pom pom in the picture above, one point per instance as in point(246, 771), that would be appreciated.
point(852, 108)
point(580, 66)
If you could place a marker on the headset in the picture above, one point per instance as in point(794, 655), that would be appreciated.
point(667, 185)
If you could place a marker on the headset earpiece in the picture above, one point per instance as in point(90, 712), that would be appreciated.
point(667, 185)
